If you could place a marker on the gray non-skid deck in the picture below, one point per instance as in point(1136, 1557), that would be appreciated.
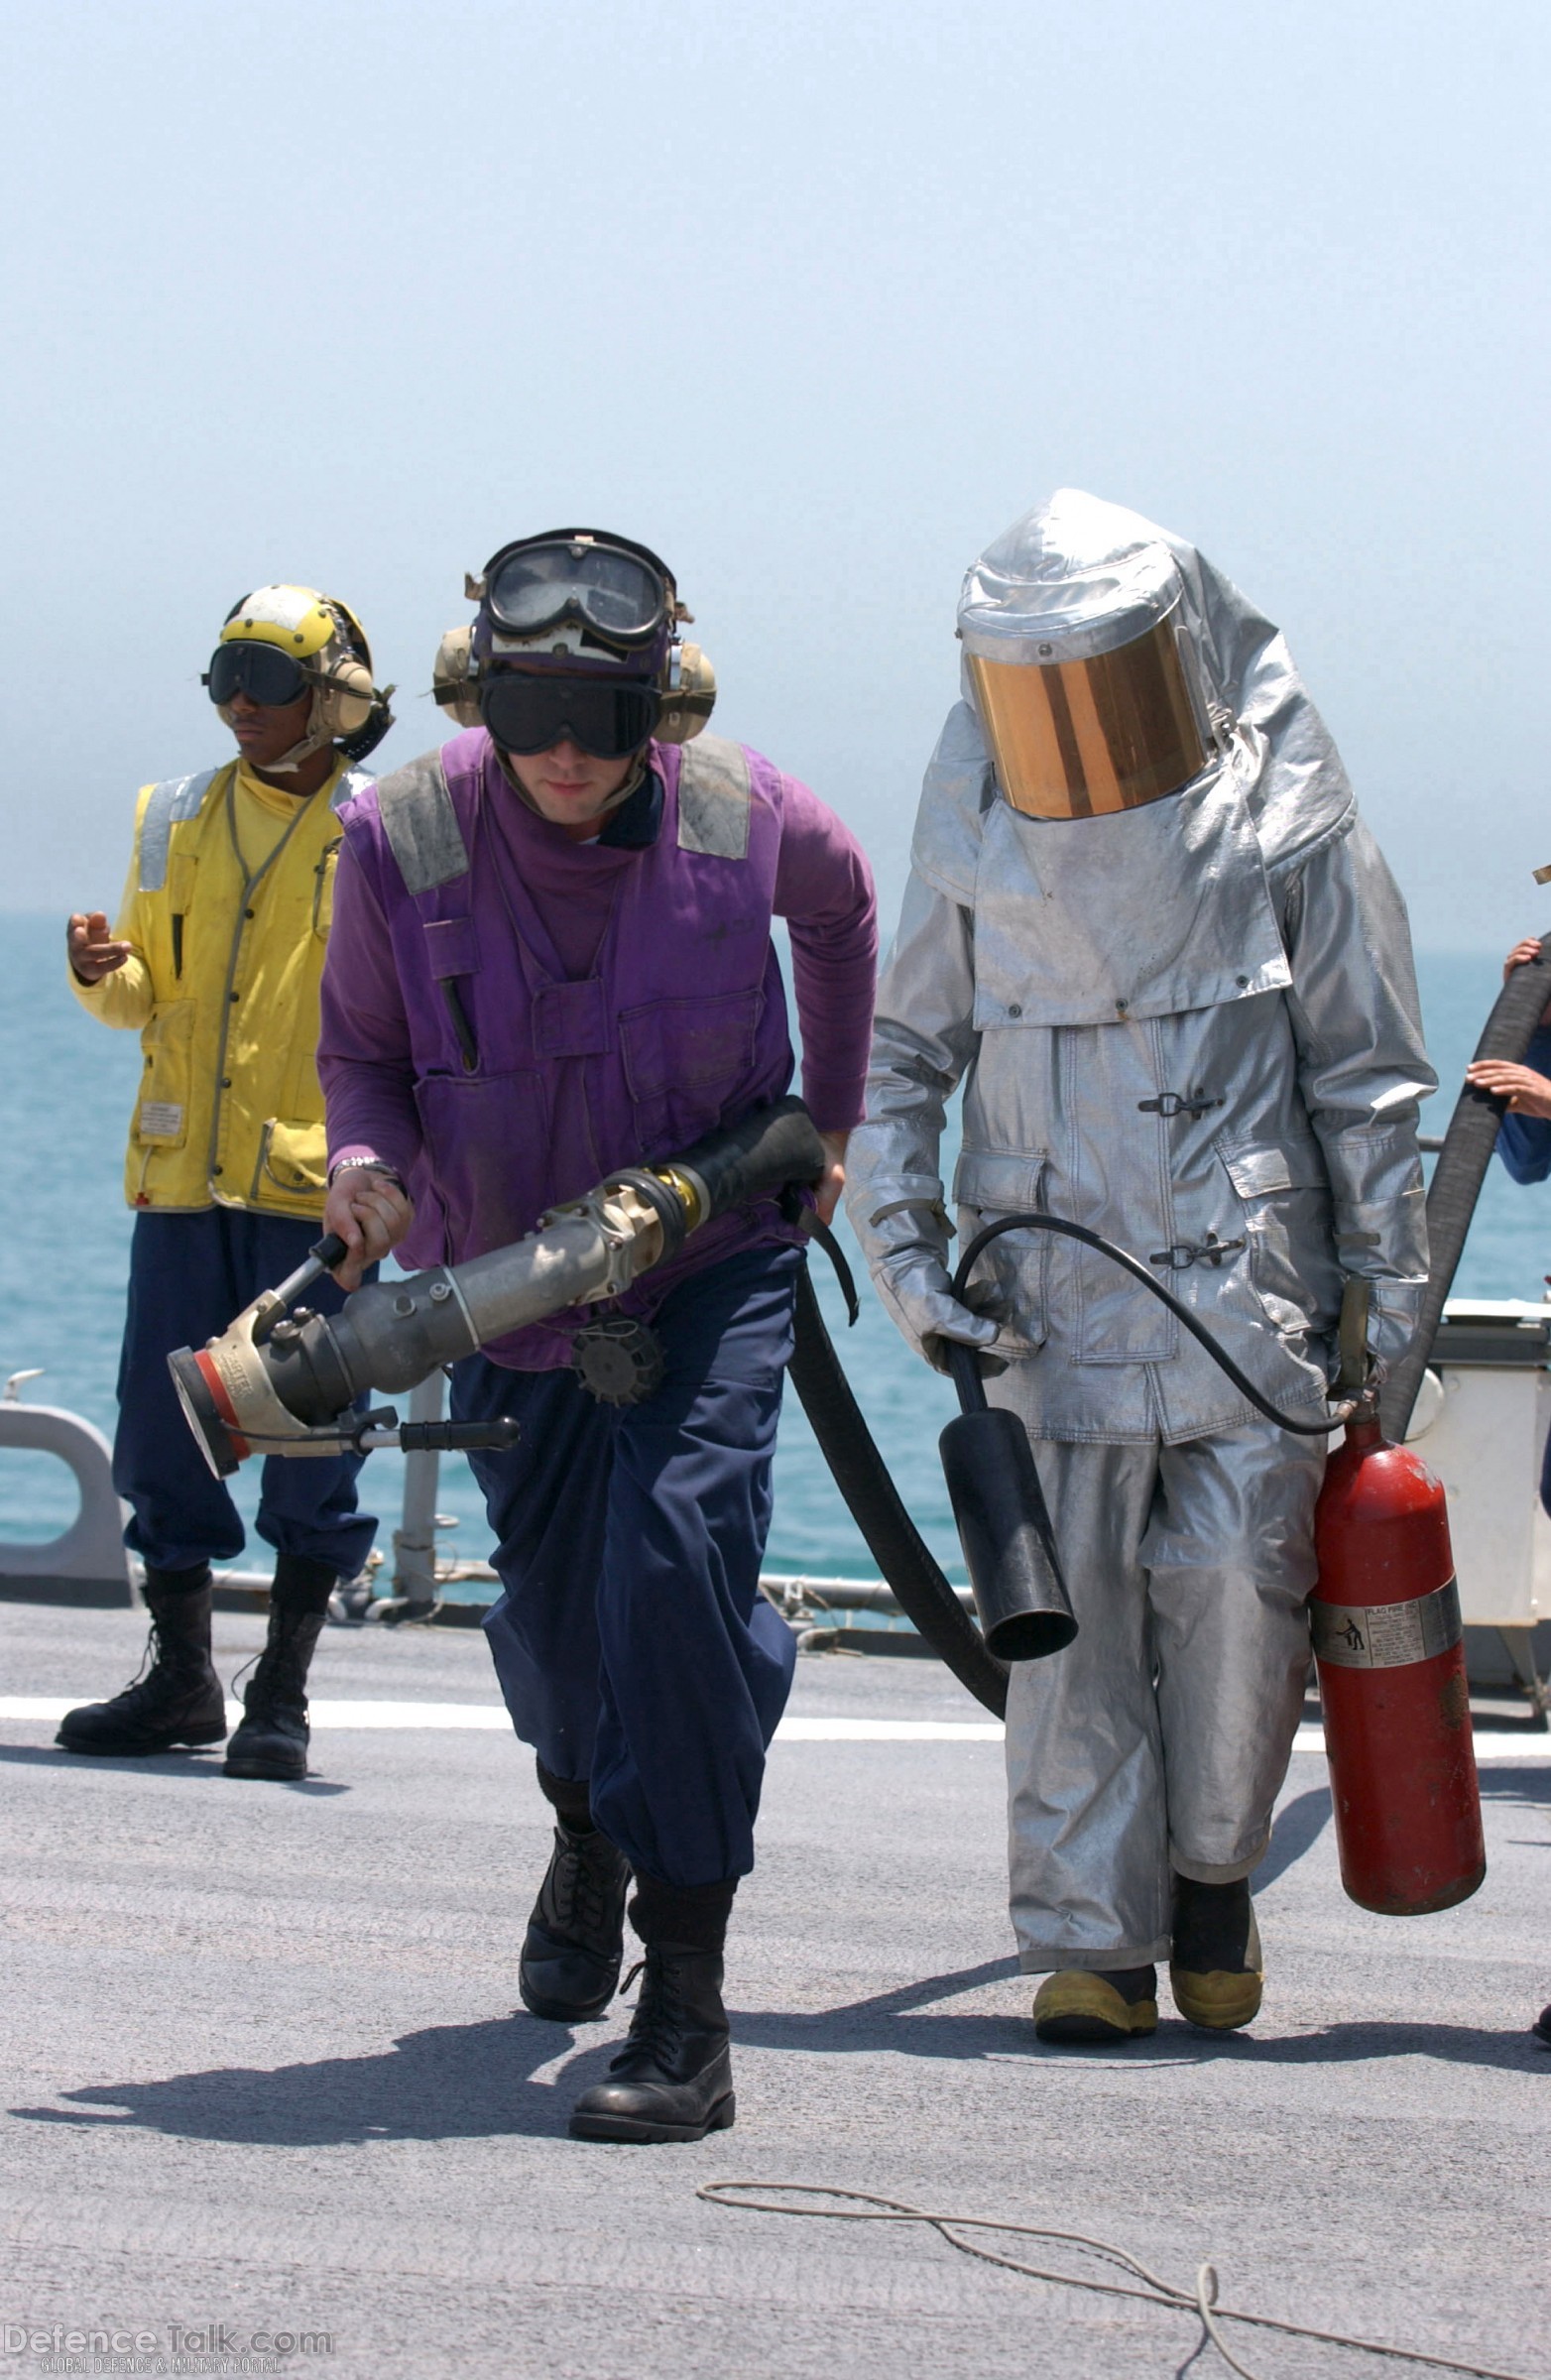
point(262, 2068)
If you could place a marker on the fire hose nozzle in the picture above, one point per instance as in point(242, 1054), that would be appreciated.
point(1025, 1613)
point(285, 1381)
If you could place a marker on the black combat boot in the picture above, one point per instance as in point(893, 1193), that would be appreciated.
point(674, 2078)
point(1215, 1971)
point(575, 1941)
point(272, 1739)
point(179, 1699)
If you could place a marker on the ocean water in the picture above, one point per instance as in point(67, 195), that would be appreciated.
point(68, 1087)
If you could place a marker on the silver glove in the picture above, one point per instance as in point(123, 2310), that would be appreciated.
point(914, 1285)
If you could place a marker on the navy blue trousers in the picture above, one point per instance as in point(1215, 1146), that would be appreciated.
point(632, 1642)
point(189, 1274)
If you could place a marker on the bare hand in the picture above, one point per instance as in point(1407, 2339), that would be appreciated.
point(92, 953)
point(1527, 1092)
point(830, 1183)
point(371, 1215)
point(1521, 955)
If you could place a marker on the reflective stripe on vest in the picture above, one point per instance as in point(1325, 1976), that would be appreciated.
point(180, 799)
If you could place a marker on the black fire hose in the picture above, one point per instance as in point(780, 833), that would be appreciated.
point(1458, 1177)
point(917, 1581)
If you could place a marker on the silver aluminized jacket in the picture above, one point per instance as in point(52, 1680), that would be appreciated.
point(1241, 945)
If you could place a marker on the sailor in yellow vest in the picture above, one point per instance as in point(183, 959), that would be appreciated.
point(216, 959)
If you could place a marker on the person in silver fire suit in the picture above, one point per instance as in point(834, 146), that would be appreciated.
point(1149, 934)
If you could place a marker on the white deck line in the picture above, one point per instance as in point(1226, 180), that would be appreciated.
point(1491, 1744)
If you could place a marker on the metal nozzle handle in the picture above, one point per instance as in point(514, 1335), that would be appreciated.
point(323, 1256)
point(458, 1437)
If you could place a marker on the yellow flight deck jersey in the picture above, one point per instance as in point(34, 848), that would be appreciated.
point(227, 910)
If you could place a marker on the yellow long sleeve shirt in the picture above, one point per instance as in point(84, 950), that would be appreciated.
point(226, 909)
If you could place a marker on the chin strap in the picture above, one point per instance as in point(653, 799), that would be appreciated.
point(354, 747)
point(312, 741)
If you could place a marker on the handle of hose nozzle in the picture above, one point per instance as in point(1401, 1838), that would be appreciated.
point(962, 1362)
point(458, 1437)
point(323, 1256)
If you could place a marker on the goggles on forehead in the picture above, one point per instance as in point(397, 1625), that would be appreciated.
point(605, 716)
point(622, 592)
point(261, 672)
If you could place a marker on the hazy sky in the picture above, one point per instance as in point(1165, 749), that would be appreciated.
point(814, 298)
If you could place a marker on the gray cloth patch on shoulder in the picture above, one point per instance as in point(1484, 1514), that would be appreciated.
point(353, 781)
point(176, 798)
point(421, 824)
point(714, 797)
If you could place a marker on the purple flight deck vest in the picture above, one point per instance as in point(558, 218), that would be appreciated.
point(531, 1087)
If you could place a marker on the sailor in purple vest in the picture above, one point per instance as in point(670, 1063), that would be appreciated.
point(550, 957)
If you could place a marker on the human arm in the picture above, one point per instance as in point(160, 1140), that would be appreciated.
point(110, 973)
point(1523, 1138)
point(1524, 1134)
point(1362, 1067)
point(365, 1063)
point(824, 890)
point(923, 1038)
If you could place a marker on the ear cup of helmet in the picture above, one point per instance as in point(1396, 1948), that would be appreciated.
point(350, 710)
point(343, 703)
point(450, 677)
point(688, 696)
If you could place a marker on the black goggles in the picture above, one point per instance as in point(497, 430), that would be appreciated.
point(532, 714)
point(620, 592)
point(261, 672)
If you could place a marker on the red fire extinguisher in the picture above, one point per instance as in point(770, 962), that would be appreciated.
point(1390, 1652)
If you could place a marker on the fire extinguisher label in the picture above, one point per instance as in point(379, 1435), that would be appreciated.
point(1386, 1635)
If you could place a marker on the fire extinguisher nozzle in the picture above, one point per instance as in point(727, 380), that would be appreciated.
point(1005, 1530)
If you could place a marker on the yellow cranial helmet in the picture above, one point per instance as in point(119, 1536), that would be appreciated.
point(280, 641)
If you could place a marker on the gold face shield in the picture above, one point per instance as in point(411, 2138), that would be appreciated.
point(1081, 739)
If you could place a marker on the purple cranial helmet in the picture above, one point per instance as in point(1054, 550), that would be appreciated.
point(576, 636)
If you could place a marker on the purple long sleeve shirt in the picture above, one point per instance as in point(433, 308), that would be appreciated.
point(623, 998)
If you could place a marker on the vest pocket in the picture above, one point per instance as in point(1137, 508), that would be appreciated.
point(1283, 1193)
point(181, 880)
point(487, 1137)
point(683, 1060)
point(161, 1118)
point(986, 1185)
point(292, 1157)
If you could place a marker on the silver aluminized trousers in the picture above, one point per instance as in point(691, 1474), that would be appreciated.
point(1158, 1739)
